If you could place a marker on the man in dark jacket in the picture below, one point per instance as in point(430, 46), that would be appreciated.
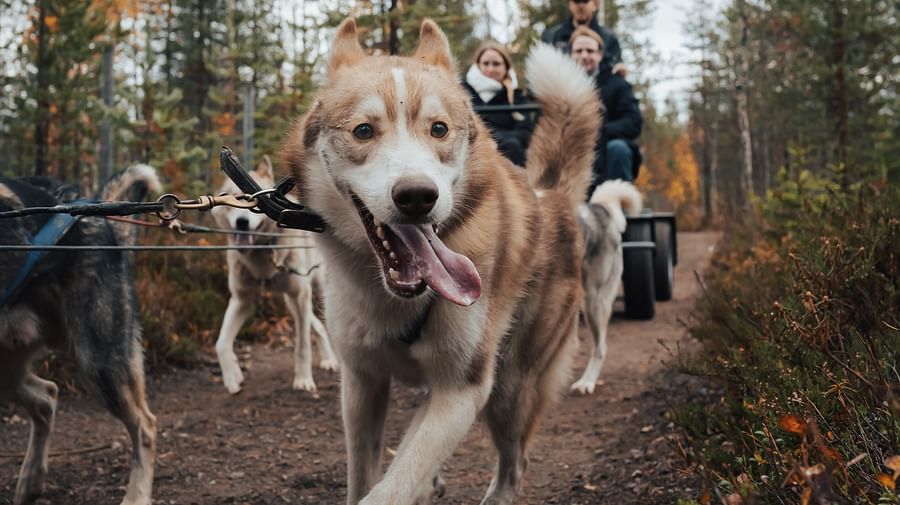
point(584, 13)
point(622, 120)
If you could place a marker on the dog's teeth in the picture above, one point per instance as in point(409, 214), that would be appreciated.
point(380, 232)
point(393, 255)
point(376, 221)
point(386, 244)
point(395, 275)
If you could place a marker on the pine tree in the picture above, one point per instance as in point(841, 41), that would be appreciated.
point(60, 54)
point(392, 27)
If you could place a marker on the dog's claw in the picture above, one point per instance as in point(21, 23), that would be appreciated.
point(583, 388)
point(305, 384)
point(329, 364)
point(439, 486)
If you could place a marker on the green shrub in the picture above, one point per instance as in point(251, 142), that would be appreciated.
point(801, 333)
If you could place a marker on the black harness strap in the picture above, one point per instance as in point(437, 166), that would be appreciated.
point(53, 230)
point(276, 205)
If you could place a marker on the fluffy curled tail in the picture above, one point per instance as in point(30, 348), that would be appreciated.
point(562, 147)
point(133, 184)
point(621, 198)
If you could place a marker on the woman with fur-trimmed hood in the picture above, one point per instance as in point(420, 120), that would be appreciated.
point(491, 80)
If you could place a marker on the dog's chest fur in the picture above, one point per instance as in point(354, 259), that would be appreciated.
point(368, 325)
point(254, 265)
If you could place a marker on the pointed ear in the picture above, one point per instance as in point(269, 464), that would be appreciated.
point(264, 169)
point(433, 46)
point(345, 50)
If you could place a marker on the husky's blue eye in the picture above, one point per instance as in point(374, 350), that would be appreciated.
point(439, 130)
point(363, 131)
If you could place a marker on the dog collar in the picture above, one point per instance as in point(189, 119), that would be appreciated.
point(414, 332)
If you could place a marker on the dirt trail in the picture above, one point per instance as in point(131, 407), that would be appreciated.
point(272, 445)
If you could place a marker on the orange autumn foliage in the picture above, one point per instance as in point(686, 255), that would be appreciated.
point(115, 10)
point(52, 22)
point(671, 172)
point(224, 123)
point(792, 424)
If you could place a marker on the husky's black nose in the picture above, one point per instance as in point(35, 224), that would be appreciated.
point(242, 224)
point(415, 197)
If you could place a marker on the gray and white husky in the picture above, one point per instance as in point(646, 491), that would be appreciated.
point(602, 222)
point(291, 272)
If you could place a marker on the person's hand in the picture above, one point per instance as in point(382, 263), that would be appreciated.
point(621, 69)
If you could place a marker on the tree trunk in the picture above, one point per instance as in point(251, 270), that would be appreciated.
point(248, 126)
point(838, 52)
point(41, 126)
point(743, 73)
point(167, 65)
point(393, 39)
point(712, 185)
point(710, 158)
point(106, 140)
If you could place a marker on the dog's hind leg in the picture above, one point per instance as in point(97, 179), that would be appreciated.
point(141, 426)
point(327, 359)
point(299, 304)
point(518, 402)
point(505, 416)
point(598, 309)
point(38, 397)
point(237, 312)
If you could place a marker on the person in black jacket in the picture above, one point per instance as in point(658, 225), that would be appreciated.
point(584, 13)
point(491, 80)
point(622, 119)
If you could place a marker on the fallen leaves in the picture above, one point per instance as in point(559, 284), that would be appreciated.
point(886, 480)
point(890, 481)
point(792, 424)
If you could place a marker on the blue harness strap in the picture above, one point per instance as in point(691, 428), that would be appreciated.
point(49, 234)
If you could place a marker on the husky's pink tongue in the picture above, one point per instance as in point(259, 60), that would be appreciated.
point(450, 274)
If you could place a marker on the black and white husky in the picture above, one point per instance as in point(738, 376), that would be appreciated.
point(83, 302)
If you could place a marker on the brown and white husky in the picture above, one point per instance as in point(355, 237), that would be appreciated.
point(446, 266)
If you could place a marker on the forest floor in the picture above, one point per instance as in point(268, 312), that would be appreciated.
point(271, 445)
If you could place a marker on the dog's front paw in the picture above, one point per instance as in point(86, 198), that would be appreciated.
point(329, 364)
point(233, 380)
point(377, 498)
point(304, 384)
point(583, 387)
point(136, 501)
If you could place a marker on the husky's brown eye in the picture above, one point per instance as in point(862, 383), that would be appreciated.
point(363, 131)
point(439, 130)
